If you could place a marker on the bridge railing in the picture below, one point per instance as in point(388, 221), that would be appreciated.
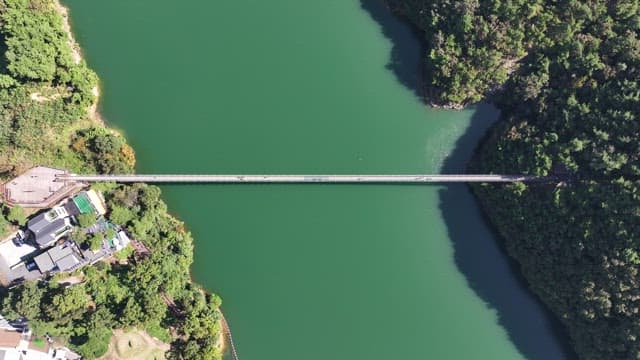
point(357, 178)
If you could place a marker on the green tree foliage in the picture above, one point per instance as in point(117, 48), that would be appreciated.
point(109, 234)
point(38, 49)
point(86, 220)
point(35, 44)
point(43, 91)
point(121, 215)
point(95, 241)
point(4, 225)
point(570, 107)
point(132, 294)
point(44, 101)
point(107, 151)
point(165, 271)
point(473, 45)
point(24, 302)
point(67, 304)
point(17, 215)
point(97, 333)
point(79, 235)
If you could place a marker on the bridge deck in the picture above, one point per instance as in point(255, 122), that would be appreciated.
point(407, 179)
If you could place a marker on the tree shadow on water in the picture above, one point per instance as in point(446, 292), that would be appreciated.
point(480, 257)
point(478, 252)
point(407, 51)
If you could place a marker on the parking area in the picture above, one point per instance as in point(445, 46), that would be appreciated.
point(12, 265)
point(13, 254)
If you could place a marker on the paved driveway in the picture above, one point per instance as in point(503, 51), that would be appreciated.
point(11, 257)
point(13, 254)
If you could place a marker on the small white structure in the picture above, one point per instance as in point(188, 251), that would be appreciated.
point(121, 241)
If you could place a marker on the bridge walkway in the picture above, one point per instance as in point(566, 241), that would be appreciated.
point(402, 179)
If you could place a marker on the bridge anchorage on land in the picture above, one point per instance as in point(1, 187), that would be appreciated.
point(292, 179)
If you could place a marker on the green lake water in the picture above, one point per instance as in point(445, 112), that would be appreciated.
point(310, 272)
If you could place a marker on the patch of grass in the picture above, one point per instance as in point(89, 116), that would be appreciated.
point(39, 343)
point(159, 333)
point(156, 354)
point(130, 345)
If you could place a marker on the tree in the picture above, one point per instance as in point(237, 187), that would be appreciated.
point(79, 235)
point(570, 106)
point(86, 220)
point(17, 215)
point(4, 225)
point(25, 301)
point(7, 81)
point(121, 215)
point(109, 234)
point(95, 241)
point(37, 59)
point(98, 333)
point(132, 315)
point(108, 290)
point(68, 304)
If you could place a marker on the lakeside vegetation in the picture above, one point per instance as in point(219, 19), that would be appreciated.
point(565, 76)
point(46, 95)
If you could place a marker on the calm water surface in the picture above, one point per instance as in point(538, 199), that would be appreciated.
point(304, 86)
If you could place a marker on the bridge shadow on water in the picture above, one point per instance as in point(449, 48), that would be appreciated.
point(478, 250)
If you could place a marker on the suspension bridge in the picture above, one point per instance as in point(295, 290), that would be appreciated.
point(41, 186)
point(275, 179)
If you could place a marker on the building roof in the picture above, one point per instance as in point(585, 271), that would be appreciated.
point(67, 262)
point(58, 252)
point(48, 226)
point(37, 223)
point(97, 202)
point(44, 262)
point(9, 339)
point(9, 354)
point(64, 258)
point(4, 324)
point(45, 233)
point(71, 208)
point(83, 204)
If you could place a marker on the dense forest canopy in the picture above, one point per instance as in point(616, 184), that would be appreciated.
point(46, 95)
point(565, 75)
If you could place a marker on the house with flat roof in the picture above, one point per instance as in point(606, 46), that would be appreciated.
point(58, 258)
point(44, 263)
point(49, 226)
point(15, 345)
point(55, 223)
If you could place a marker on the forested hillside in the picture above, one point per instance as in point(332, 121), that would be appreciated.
point(46, 95)
point(565, 75)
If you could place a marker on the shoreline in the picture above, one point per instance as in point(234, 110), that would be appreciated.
point(95, 117)
point(76, 55)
